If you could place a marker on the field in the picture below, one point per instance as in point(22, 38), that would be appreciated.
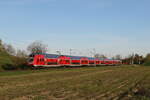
point(91, 83)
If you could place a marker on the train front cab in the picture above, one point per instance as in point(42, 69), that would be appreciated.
point(36, 60)
point(39, 60)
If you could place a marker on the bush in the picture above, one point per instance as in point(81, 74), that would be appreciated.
point(147, 63)
point(19, 63)
point(24, 66)
point(9, 67)
point(14, 63)
point(15, 66)
point(147, 60)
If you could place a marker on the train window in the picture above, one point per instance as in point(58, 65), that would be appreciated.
point(31, 55)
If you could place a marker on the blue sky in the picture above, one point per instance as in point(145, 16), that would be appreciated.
point(110, 26)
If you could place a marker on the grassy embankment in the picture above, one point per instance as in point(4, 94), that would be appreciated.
point(9, 62)
point(5, 59)
point(92, 83)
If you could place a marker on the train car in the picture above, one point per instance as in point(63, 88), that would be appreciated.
point(75, 60)
point(51, 60)
point(118, 62)
point(36, 60)
point(92, 61)
point(97, 61)
point(107, 62)
point(115, 62)
point(64, 60)
point(84, 61)
point(102, 61)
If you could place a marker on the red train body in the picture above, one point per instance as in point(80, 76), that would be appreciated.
point(53, 60)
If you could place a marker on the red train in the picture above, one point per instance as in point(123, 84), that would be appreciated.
point(54, 60)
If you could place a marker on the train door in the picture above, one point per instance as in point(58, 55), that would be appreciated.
point(39, 61)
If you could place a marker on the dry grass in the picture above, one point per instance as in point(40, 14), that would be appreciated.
point(92, 83)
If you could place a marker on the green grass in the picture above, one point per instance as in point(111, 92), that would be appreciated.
point(91, 83)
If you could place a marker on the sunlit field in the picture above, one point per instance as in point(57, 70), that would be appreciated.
point(87, 83)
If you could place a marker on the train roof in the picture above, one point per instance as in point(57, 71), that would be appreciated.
point(71, 57)
point(52, 55)
point(91, 58)
point(75, 57)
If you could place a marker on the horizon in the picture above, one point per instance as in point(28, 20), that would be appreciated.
point(109, 26)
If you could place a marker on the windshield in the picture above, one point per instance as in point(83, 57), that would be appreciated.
point(30, 59)
point(32, 55)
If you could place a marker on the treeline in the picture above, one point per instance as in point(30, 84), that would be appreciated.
point(134, 59)
point(137, 59)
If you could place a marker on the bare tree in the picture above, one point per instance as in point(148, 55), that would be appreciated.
point(10, 49)
point(118, 57)
point(21, 53)
point(130, 59)
point(37, 47)
point(97, 55)
point(100, 56)
point(1, 46)
point(0, 42)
